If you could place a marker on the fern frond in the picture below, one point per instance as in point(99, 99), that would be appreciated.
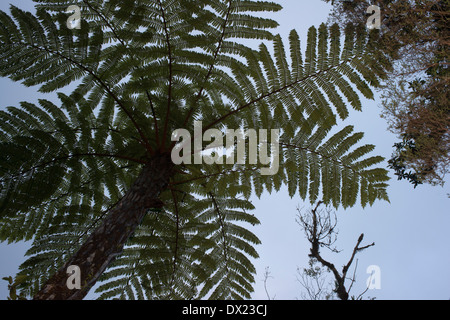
point(143, 69)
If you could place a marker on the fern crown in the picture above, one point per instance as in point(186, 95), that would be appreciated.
point(142, 69)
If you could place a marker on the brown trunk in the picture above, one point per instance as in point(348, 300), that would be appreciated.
point(108, 240)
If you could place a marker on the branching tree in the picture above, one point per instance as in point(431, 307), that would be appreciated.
point(314, 282)
point(319, 226)
point(266, 277)
point(415, 38)
point(91, 180)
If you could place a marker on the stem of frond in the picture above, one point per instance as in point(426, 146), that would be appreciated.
point(169, 93)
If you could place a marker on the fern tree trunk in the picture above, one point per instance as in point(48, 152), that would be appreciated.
point(108, 240)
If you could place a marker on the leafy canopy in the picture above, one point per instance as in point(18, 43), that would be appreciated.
point(142, 69)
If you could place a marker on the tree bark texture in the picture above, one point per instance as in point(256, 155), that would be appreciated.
point(108, 240)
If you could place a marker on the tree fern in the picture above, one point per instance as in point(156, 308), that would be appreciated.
point(101, 158)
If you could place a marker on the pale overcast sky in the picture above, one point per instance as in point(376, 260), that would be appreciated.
point(410, 233)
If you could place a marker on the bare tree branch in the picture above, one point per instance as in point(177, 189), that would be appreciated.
point(266, 277)
point(319, 227)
